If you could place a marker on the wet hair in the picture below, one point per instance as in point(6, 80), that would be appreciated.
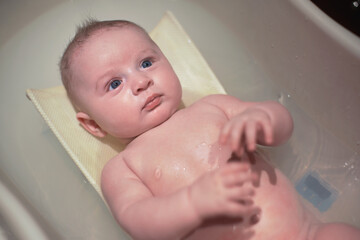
point(84, 31)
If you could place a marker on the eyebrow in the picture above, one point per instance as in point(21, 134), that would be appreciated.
point(152, 51)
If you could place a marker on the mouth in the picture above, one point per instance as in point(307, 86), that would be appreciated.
point(152, 102)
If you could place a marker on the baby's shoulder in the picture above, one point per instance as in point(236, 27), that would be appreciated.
point(209, 100)
point(212, 97)
point(115, 171)
point(218, 100)
point(114, 166)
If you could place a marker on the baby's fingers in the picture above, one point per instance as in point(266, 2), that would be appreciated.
point(242, 194)
point(235, 174)
point(232, 134)
point(236, 136)
point(267, 130)
point(239, 179)
point(225, 133)
point(235, 209)
point(251, 132)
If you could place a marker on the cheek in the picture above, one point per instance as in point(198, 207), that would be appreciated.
point(123, 125)
point(117, 120)
point(172, 83)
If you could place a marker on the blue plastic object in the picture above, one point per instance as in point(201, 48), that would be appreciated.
point(317, 191)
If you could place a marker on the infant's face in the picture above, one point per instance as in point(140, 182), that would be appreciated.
point(126, 84)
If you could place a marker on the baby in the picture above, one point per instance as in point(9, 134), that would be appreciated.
point(189, 173)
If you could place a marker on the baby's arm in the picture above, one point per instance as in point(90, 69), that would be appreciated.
point(265, 123)
point(141, 214)
point(222, 192)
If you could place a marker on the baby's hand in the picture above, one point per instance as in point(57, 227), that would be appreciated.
point(226, 191)
point(243, 131)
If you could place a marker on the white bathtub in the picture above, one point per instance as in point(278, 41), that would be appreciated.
point(284, 50)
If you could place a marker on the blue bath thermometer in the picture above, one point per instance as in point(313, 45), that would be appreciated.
point(317, 191)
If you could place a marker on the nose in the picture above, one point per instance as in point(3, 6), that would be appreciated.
point(140, 83)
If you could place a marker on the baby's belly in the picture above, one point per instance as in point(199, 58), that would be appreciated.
point(282, 217)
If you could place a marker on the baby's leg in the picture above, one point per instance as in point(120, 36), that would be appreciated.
point(337, 231)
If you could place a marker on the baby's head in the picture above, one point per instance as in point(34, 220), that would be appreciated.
point(118, 79)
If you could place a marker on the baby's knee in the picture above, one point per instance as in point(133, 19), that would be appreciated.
point(337, 231)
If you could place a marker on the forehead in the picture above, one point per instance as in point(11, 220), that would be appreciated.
point(111, 41)
point(110, 47)
point(118, 37)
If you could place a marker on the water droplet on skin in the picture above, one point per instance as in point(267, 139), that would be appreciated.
point(157, 173)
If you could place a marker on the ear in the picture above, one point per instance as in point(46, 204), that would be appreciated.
point(90, 125)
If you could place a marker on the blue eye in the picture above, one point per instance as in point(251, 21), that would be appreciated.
point(115, 84)
point(146, 64)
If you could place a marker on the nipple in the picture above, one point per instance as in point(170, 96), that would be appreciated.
point(157, 173)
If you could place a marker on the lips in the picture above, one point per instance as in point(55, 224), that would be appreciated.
point(152, 102)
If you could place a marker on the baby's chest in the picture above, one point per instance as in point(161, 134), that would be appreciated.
point(180, 152)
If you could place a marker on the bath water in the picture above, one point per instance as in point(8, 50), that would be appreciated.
point(315, 156)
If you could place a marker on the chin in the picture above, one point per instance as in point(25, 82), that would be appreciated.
point(162, 116)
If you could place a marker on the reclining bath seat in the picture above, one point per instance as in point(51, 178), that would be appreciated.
point(89, 153)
